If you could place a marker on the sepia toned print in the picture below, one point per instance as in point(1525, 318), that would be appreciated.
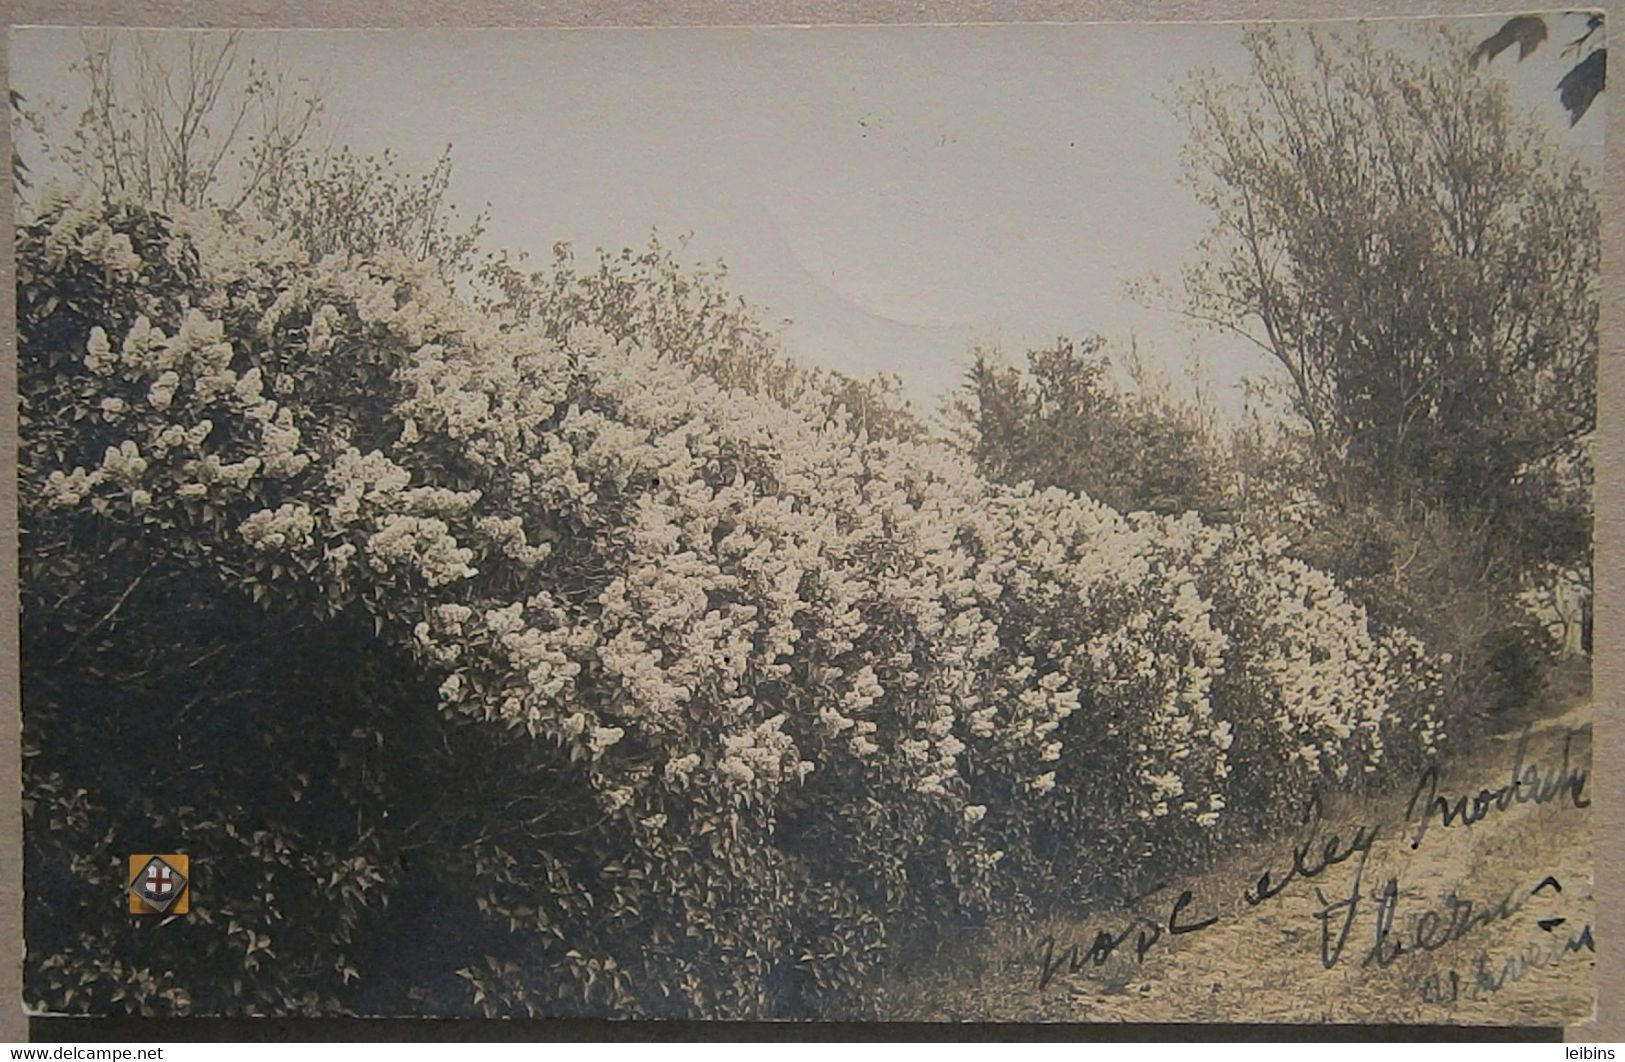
point(503, 606)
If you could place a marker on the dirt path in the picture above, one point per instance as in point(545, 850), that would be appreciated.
point(1480, 923)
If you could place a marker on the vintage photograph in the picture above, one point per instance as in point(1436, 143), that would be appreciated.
point(1005, 523)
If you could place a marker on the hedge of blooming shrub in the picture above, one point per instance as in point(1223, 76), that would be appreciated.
point(564, 680)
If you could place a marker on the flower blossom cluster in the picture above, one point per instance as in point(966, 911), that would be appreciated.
point(717, 603)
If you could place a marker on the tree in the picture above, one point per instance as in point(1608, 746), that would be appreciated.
point(1421, 265)
point(201, 122)
point(1062, 423)
point(206, 121)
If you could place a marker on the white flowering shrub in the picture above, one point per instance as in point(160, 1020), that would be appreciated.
point(686, 312)
point(679, 699)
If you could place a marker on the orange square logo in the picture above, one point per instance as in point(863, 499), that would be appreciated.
point(160, 884)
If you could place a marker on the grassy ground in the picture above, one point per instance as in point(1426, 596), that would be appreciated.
point(1493, 950)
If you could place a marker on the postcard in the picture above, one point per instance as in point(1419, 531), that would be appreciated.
point(1066, 522)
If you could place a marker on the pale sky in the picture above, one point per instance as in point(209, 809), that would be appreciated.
point(900, 194)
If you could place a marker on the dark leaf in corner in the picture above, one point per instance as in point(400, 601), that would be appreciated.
point(1528, 32)
point(1580, 86)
